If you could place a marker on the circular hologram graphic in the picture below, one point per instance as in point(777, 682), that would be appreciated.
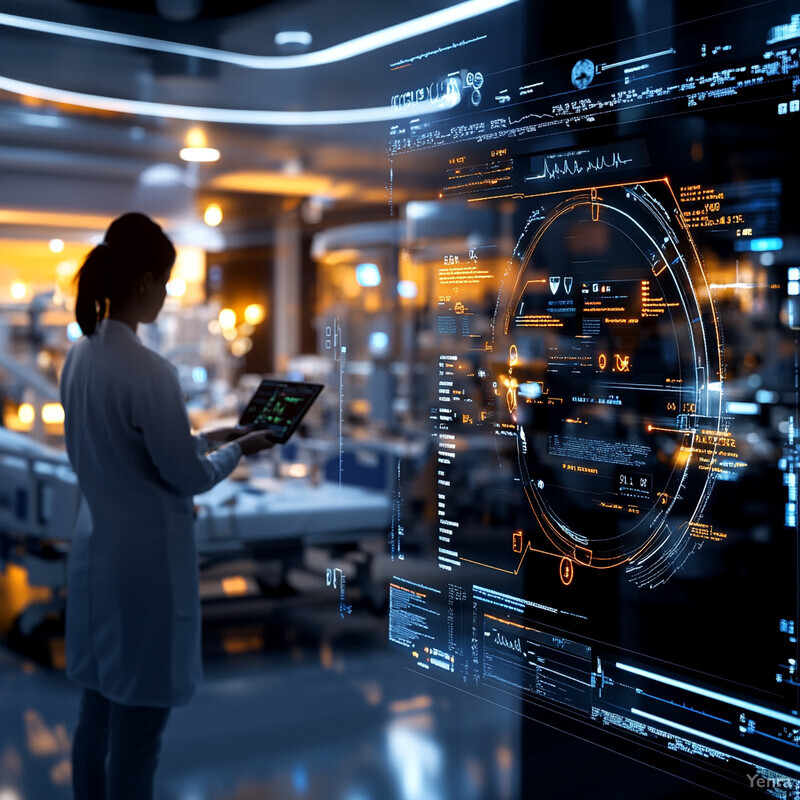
point(613, 377)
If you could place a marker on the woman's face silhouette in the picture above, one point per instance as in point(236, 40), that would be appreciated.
point(153, 293)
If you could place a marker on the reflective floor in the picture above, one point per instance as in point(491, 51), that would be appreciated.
point(318, 709)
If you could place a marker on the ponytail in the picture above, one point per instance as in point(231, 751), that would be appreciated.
point(133, 246)
point(90, 305)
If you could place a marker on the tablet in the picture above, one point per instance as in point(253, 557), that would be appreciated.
point(278, 407)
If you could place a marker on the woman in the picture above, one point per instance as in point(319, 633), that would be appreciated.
point(133, 612)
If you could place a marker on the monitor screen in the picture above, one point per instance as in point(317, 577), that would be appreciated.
point(279, 406)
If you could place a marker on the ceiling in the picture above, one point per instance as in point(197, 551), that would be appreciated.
point(65, 164)
point(181, 9)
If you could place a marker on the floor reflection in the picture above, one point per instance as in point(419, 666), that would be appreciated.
point(322, 711)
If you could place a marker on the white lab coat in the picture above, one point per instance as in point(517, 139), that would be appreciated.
point(133, 608)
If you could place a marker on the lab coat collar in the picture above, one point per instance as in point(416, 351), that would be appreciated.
point(113, 327)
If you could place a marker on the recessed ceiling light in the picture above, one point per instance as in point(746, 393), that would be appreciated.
point(165, 175)
point(293, 37)
point(199, 154)
point(196, 137)
point(212, 215)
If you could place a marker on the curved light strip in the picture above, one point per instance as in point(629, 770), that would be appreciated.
point(329, 55)
point(234, 116)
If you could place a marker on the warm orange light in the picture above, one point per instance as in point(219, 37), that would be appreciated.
point(227, 318)
point(53, 219)
point(297, 470)
point(52, 413)
point(196, 137)
point(212, 215)
point(254, 313)
point(237, 644)
point(18, 290)
point(304, 185)
point(418, 703)
point(26, 414)
point(17, 594)
point(242, 346)
point(235, 586)
point(56, 245)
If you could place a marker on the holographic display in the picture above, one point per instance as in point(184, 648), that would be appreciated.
point(612, 379)
point(604, 232)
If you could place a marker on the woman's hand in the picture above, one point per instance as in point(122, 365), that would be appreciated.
point(226, 434)
point(254, 442)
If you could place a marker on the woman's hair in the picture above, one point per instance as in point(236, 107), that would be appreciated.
point(133, 245)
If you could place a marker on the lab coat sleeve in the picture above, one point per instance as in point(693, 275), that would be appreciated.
point(202, 444)
point(160, 413)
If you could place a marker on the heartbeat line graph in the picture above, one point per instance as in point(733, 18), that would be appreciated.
point(513, 122)
point(561, 168)
point(510, 644)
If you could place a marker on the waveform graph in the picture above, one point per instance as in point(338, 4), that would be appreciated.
point(553, 169)
point(584, 166)
point(611, 377)
point(525, 658)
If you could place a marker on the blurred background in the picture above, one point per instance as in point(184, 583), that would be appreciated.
point(292, 229)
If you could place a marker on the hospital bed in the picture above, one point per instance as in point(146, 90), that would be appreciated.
point(251, 534)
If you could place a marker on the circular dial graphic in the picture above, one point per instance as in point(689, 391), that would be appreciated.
point(612, 378)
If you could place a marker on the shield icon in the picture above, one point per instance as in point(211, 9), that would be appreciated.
point(567, 285)
point(554, 284)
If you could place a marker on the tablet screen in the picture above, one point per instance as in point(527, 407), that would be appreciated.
point(278, 407)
